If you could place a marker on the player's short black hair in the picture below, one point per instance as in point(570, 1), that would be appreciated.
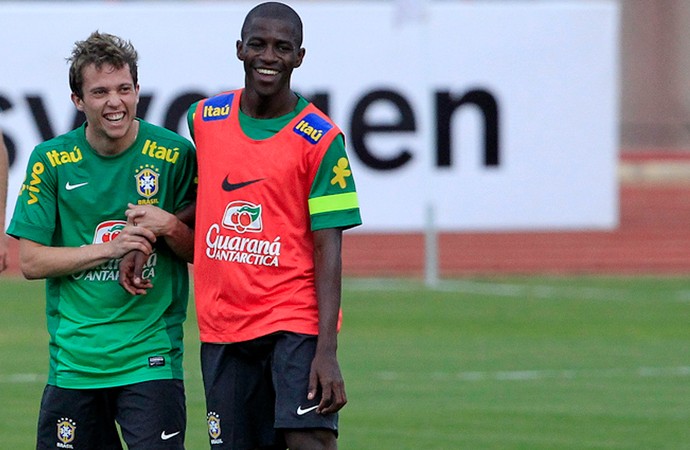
point(274, 10)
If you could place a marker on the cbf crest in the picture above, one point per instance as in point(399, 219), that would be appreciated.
point(213, 420)
point(66, 429)
point(147, 180)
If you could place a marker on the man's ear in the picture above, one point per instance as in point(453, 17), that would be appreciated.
point(78, 102)
point(300, 56)
point(238, 49)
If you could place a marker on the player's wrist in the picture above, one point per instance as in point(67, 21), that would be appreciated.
point(171, 226)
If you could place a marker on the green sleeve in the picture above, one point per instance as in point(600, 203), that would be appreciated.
point(333, 199)
point(190, 118)
point(35, 211)
point(186, 179)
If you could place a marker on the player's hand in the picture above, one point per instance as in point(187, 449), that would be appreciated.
point(131, 238)
point(325, 377)
point(150, 217)
point(130, 277)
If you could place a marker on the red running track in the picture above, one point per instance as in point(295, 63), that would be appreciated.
point(653, 238)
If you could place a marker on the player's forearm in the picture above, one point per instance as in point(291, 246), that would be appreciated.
point(328, 270)
point(40, 261)
point(328, 294)
point(180, 239)
point(187, 214)
point(328, 327)
point(4, 169)
point(171, 227)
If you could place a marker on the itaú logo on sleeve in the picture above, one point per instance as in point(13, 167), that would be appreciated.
point(217, 108)
point(243, 217)
point(312, 128)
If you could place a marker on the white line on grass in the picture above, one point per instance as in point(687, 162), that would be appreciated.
point(18, 378)
point(683, 296)
point(530, 375)
point(537, 291)
point(512, 290)
point(26, 378)
point(498, 375)
point(503, 289)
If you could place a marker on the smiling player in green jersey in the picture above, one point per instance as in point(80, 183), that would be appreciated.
point(114, 357)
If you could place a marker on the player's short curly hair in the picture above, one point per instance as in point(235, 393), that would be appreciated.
point(99, 49)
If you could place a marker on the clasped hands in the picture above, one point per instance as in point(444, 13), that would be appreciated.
point(157, 222)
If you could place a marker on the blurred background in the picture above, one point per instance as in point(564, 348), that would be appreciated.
point(627, 197)
point(535, 299)
point(655, 66)
point(655, 75)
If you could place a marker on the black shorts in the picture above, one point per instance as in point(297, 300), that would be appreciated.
point(256, 388)
point(151, 415)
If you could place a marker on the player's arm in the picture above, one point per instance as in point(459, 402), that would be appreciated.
point(179, 237)
point(130, 273)
point(42, 261)
point(4, 170)
point(177, 234)
point(132, 264)
point(191, 111)
point(325, 371)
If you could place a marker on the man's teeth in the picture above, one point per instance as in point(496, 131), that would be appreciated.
point(267, 71)
point(115, 117)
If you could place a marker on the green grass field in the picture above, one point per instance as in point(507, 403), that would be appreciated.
point(492, 363)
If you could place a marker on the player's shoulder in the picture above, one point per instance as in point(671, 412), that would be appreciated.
point(163, 135)
point(306, 105)
point(310, 110)
point(313, 124)
point(65, 142)
point(219, 99)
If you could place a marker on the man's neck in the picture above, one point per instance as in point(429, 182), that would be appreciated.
point(111, 147)
point(268, 107)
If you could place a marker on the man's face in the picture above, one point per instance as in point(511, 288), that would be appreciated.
point(109, 103)
point(270, 53)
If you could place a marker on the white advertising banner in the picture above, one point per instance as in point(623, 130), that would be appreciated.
point(498, 115)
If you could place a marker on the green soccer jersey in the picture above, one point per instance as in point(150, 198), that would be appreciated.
point(101, 336)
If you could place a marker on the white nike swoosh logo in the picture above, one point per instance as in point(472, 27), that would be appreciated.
point(165, 437)
point(301, 412)
point(69, 187)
